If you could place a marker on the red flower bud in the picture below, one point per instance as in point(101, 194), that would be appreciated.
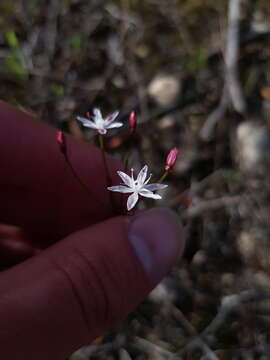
point(132, 122)
point(171, 159)
point(61, 139)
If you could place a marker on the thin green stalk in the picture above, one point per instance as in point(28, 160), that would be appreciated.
point(108, 178)
point(73, 171)
point(163, 177)
point(75, 174)
point(126, 159)
point(101, 145)
point(62, 142)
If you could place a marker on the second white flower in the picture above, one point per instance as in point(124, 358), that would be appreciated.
point(137, 187)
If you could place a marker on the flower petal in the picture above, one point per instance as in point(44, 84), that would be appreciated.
point(114, 125)
point(154, 187)
point(147, 181)
point(132, 200)
point(142, 175)
point(87, 123)
point(126, 179)
point(97, 113)
point(120, 188)
point(149, 194)
point(82, 119)
point(109, 119)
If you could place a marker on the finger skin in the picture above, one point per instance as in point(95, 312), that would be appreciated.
point(38, 191)
point(66, 295)
point(14, 246)
point(63, 298)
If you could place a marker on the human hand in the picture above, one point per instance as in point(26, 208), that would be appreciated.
point(71, 268)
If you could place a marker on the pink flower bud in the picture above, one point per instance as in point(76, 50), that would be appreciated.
point(61, 139)
point(132, 122)
point(171, 159)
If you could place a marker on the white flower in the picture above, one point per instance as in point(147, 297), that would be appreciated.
point(138, 187)
point(100, 124)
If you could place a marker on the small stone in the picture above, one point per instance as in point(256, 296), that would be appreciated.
point(166, 122)
point(199, 259)
point(246, 245)
point(164, 89)
point(161, 293)
point(253, 146)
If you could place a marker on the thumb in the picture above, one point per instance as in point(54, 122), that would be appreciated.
point(67, 295)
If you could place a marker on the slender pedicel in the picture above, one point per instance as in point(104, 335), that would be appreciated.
point(101, 125)
point(62, 142)
point(132, 129)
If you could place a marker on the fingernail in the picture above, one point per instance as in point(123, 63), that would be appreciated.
point(158, 239)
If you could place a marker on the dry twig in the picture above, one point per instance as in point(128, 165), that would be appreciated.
point(150, 348)
point(196, 341)
point(232, 90)
point(231, 57)
point(210, 205)
point(228, 304)
point(215, 116)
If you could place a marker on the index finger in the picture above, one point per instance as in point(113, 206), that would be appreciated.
point(38, 191)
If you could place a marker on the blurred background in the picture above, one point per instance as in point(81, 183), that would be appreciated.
point(197, 73)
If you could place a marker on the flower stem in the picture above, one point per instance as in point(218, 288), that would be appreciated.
point(108, 178)
point(101, 145)
point(126, 159)
point(62, 142)
point(76, 176)
point(163, 177)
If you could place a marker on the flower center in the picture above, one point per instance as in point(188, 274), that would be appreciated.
point(137, 186)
